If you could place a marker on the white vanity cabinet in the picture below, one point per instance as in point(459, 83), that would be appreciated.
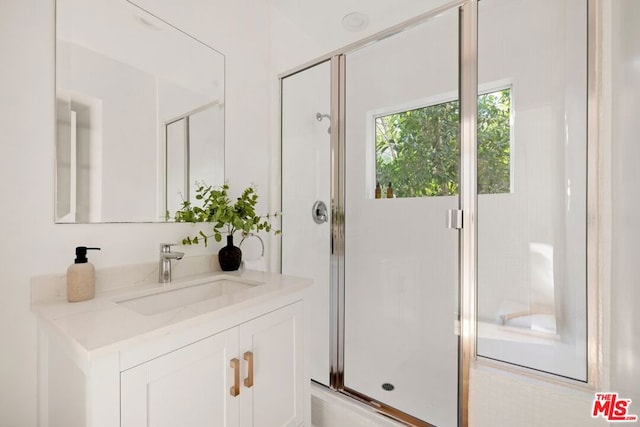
point(232, 360)
point(185, 387)
point(249, 375)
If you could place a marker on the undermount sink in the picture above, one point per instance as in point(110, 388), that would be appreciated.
point(171, 298)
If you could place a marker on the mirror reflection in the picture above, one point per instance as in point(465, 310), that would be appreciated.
point(139, 114)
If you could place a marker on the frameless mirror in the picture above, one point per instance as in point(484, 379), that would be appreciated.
point(139, 114)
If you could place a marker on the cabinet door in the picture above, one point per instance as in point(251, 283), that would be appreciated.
point(187, 387)
point(275, 399)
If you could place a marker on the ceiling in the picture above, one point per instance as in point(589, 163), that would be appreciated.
point(322, 19)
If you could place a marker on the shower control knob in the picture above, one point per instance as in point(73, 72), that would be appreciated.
point(319, 212)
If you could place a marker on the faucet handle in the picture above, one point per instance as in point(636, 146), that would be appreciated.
point(166, 247)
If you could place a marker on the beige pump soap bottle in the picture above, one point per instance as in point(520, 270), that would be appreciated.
point(81, 277)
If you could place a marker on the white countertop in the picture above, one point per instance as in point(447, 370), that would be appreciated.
point(101, 325)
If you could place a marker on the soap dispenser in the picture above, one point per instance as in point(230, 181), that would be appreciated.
point(81, 277)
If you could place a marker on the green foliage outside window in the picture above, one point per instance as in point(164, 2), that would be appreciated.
point(418, 150)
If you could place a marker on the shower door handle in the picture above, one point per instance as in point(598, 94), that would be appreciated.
point(454, 219)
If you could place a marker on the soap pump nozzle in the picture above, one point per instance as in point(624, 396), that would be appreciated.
point(81, 254)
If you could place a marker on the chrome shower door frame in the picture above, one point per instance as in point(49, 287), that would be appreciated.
point(468, 89)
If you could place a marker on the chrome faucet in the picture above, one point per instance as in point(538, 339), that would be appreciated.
point(164, 267)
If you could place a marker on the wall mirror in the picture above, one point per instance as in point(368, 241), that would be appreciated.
point(139, 114)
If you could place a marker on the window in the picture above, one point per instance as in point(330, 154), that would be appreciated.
point(417, 150)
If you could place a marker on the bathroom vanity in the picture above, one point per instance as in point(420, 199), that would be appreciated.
point(213, 349)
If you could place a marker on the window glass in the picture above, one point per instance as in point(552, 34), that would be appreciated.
point(417, 150)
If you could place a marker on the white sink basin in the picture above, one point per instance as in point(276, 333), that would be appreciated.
point(169, 299)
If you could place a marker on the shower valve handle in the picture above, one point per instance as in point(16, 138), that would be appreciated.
point(319, 212)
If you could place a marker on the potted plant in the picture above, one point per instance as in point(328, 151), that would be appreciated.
point(226, 218)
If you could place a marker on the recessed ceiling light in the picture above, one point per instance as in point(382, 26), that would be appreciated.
point(355, 21)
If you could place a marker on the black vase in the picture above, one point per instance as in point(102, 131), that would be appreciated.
point(230, 256)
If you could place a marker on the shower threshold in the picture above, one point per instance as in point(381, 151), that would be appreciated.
point(355, 408)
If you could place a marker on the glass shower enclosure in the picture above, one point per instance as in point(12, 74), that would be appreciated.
point(435, 185)
point(384, 306)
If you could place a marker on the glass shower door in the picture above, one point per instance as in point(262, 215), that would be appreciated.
point(401, 261)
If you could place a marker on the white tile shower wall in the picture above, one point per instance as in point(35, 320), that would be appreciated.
point(498, 398)
point(32, 244)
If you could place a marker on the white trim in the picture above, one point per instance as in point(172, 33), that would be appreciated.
point(442, 98)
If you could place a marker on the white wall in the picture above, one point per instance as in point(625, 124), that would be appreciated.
point(32, 244)
point(625, 292)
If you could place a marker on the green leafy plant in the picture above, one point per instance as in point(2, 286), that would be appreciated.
point(418, 150)
point(226, 217)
